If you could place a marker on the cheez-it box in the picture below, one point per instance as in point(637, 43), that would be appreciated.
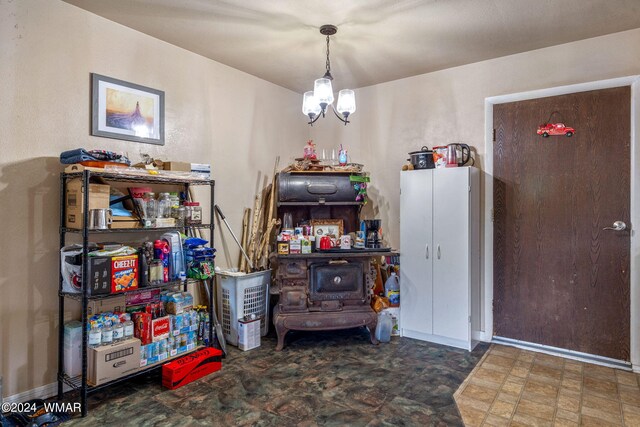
point(191, 367)
point(124, 273)
point(110, 275)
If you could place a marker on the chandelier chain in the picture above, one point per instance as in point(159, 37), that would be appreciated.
point(328, 65)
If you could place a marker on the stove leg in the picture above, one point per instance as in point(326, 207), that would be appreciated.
point(281, 331)
point(372, 330)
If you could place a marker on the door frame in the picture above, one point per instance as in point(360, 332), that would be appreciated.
point(487, 212)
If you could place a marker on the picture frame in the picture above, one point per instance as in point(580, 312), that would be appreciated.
point(128, 111)
point(323, 227)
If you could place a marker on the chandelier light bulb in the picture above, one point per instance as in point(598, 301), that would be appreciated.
point(346, 102)
point(310, 106)
point(323, 92)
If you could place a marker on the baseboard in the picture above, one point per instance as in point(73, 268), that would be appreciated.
point(482, 336)
point(569, 354)
point(43, 392)
point(437, 339)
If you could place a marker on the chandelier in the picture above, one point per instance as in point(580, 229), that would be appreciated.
point(315, 102)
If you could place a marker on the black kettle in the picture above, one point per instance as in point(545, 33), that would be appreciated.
point(422, 159)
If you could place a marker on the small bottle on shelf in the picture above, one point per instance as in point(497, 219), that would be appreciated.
point(118, 332)
point(107, 335)
point(164, 205)
point(95, 336)
point(128, 329)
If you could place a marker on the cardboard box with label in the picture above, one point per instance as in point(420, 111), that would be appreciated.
point(248, 334)
point(160, 328)
point(109, 362)
point(112, 304)
point(110, 275)
point(74, 201)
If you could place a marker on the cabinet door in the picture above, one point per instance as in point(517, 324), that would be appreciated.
point(451, 260)
point(416, 249)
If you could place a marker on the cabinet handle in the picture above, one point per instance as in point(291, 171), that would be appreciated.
point(438, 251)
point(426, 251)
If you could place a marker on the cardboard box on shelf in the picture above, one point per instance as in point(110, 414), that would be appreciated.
point(189, 368)
point(109, 362)
point(142, 327)
point(177, 166)
point(160, 328)
point(73, 348)
point(126, 222)
point(113, 304)
point(74, 201)
point(110, 275)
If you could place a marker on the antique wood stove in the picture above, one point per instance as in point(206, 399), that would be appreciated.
point(322, 290)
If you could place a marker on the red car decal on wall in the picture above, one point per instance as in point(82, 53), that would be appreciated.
point(548, 129)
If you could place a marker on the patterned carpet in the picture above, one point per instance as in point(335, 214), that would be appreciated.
point(327, 378)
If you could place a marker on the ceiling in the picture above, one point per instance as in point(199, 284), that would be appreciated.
point(377, 40)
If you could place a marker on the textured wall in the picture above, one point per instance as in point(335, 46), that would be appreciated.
point(214, 114)
point(448, 106)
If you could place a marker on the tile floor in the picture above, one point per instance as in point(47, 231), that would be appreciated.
point(328, 378)
point(512, 387)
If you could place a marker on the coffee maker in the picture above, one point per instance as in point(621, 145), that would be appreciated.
point(372, 233)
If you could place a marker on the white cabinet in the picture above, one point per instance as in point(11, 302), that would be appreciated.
point(440, 250)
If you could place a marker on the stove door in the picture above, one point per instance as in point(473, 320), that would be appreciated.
point(337, 280)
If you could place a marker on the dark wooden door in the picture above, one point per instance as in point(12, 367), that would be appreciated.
point(559, 279)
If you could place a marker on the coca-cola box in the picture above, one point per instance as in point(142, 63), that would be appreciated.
point(160, 328)
point(110, 275)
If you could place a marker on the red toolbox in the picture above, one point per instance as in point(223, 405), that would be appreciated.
point(191, 367)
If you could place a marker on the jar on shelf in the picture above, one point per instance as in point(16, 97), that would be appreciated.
point(156, 272)
point(164, 205)
point(193, 214)
point(180, 214)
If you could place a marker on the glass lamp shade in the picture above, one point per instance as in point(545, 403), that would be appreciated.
point(346, 102)
point(323, 92)
point(310, 106)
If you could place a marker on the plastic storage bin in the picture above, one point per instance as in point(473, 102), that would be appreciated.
point(238, 295)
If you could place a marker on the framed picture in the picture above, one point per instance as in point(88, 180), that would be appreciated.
point(327, 227)
point(127, 111)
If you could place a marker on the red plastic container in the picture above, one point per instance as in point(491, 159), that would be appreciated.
point(191, 367)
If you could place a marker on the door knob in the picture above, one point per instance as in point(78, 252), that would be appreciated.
point(426, 251)
point(617, 226)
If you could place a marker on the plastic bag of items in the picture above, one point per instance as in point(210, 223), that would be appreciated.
point(199, 258)
point(71, 267)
